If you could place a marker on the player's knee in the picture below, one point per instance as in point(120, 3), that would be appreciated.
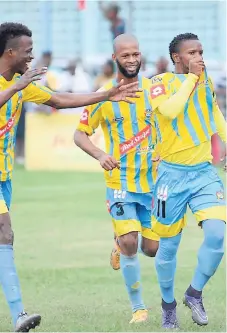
point(150, 247)
point(214, 234)
point(129, 243)
point(168, 247)
point(165, 271)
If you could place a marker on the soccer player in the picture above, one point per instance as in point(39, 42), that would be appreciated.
point(15, 55)
point(187, 115)
point(128, 166)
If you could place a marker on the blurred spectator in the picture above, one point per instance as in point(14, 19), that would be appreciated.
point(144, 71)
point(161, 66)
point(81, 79)
point(106, 75)
point(221, 93)
point(67, 77)
point(111, 13)
point(49, 80)
point(46, 59)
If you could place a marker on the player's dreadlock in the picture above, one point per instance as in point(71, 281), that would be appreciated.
point(174, 45)
point(11, 30)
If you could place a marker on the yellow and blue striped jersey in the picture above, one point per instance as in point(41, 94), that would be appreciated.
point(10, 115)
point(128, 137)
point(187, 138)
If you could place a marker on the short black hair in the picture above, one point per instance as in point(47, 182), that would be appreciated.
point(11, 30)
point(175, 43)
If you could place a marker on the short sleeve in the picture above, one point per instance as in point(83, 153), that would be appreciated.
point(36, 93)
point(90, 118)
point(160, 90)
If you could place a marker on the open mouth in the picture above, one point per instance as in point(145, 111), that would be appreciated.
point(131, 68)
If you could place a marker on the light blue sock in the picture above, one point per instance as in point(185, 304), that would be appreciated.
point(210, 252)
point(165, 263)
point(130, 268)
point(10, 282)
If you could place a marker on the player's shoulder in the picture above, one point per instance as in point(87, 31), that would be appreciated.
point(162, 78)
point(4, 83)
point(107, 86)
point(146, 82)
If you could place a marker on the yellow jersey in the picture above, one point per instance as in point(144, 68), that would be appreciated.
point(128, 137)
point(10, 114)
point(187, 138)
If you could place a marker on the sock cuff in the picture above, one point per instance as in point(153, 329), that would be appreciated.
point(5, 247)
point(123, 256)
point(169, 306)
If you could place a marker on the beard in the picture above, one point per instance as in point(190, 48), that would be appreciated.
point(124, 71)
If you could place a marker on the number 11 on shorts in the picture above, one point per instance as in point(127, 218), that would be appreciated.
point(162, 197)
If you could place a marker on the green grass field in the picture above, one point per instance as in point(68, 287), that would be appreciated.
point(63, 238)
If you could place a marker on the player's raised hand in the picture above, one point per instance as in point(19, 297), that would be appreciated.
point(196, 66)
point(122, 91)
point(108, 162)
point(29, 76)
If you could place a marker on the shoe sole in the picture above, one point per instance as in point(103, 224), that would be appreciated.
point(195, 321)
point(175, 328)
point(30, 323)
point(138, 321)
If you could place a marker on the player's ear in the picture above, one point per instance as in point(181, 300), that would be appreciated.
point(175, 57)
point(113, 57)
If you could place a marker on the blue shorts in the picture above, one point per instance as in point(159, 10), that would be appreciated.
point(177, 186)
point(130, 212)
point(5, 196)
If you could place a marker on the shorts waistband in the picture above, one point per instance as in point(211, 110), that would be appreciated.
point(194, 167)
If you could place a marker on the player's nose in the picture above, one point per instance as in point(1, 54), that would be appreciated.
point(199, 56)
point(31, 56)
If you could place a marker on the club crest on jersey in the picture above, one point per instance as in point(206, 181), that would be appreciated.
point(157, 90)
point(148, 113)
point(220, 195)
point(204, 82)
point(156, 79)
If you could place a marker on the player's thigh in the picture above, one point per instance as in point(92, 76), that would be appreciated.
point(122, 208)
point(150, 240)
point(144, 216)
point(209, 201)
point(170, 202)
point(124, 218)
point(126, 226)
